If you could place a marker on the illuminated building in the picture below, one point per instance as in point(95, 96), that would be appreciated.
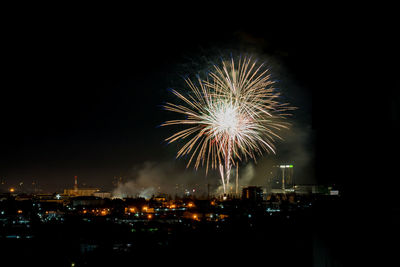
point(48, 198)
point(76, 192)
point(160, 198)
point(102, 194)
point(192, 215)
point(287, 176)
point(252, 193)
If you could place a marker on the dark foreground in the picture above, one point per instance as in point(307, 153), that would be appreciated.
point(319, 234)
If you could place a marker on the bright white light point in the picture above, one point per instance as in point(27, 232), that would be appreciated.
point(227, 120)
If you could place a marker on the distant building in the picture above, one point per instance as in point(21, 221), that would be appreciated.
point(23, 197)
point(77, 192)
point(87, 201)
point(315, 189)
point(286, 176)
point(252, 193)
point(81, 192)
point(160, 198)
point(50, 198)
point(102, 194)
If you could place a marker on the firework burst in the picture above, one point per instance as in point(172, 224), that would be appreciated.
point(232, 115)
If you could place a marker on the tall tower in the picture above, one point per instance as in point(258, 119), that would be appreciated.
point(287, 176)
point(76, 184)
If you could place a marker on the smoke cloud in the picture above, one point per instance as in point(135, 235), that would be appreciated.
point(152, 178)
point(246, 177)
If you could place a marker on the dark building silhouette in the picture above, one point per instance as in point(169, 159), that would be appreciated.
point(252, 193)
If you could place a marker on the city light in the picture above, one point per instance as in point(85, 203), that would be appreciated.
point(132, 210)
point(285, 166)
point(140, 216)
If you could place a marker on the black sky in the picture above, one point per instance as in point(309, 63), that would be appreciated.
point(81, 96)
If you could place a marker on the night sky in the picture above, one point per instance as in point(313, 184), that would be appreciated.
point(81, 96)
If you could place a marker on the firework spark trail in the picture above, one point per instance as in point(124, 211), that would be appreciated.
point(232, 115)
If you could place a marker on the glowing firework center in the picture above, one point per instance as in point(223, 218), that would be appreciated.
point(227, 121)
